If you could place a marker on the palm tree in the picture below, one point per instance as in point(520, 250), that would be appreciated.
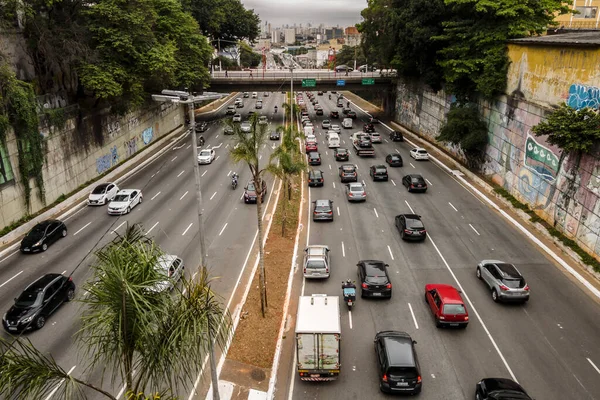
point(247, 149)
point(126, 326)
point(287, 108)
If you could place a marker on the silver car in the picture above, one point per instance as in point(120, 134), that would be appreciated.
point(172, 268)
point(237, 118)
point(504, 280)
point(246, 126)
point(325, 124)
point(355, 191)
point(316, 262)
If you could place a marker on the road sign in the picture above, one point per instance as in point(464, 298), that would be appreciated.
point(341, 82)
point(368, 81)
point(309, 82)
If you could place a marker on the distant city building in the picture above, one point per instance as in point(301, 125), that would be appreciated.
point(290, 36)
point(352, 37)
point(263, 43)
point(276, 36)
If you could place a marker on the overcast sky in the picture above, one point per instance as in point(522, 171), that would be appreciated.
point(330, 12)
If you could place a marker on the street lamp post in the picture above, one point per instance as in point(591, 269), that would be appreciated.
point(180, 97)
point(292, 97)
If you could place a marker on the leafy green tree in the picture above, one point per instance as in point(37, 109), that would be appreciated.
point(224, 19)
point(248, 57)
point(465, 128)
point(348, 54)
point(127, 326)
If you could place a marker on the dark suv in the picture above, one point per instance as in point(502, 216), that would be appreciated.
point(396, 136)
point(379, 172)
point(399, 370)
point(250, 192)
point(348, 173)
point(334, 115)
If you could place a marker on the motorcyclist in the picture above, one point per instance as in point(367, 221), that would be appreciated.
point(201, 141)
point(330, 97)
point(348, 105)
point(276, 109)
point(234, 180)
point(349, 291)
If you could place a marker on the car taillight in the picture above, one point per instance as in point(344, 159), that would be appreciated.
point(318, 159)
point(419, 380)
point(384, 378)
point(329, 212)
point(354, 174)
point(388, 286)
point(504, 287)
point(408, 232)
point(304, 269)
point(327, 269)
point(364, 193)
point(526, 288)
point(466, 317)
point(423, 232)
point(320, 180)
point(412, 186)
point(364, 285)
point(350, 194)
point(70, 279)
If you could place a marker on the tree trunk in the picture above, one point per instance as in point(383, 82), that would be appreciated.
point(284, 211)
point(289, 190)
point(261, 249)
point(128, 347)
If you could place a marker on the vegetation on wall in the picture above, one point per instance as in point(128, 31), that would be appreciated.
point(348, 54)
point(248, 58)
point(18, 108)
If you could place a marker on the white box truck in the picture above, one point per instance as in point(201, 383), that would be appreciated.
point(318, 335)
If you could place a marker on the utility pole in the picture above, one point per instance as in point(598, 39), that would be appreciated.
point(292, 98)
point(355, 57)
point(219, 55)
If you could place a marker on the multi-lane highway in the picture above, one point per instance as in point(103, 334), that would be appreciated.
point(550, 345)
point(168, 214)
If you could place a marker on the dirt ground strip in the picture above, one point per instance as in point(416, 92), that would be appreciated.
point(256, 337)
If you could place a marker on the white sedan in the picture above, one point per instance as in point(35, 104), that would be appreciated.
point(125, 201)
point(102, 194)
point(206, 156)
point(263, 120)
point(237, 118)
point(419, 153)
point(325, 124)
point(335, 128)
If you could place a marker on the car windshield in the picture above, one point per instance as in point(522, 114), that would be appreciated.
point(100, 189)
point(37, 230)
point(414, 223)
point(205, 153)
point(121, 197)
point(251, 187)
point(402, 372)
point(347, 168)
point(28, 298)
point(374, 134)
point(514, 283)
point(422, 151)
point(315, 264)
point(454, 309)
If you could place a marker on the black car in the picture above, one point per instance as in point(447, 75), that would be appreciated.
point(368, 128)
point(399, 369)
point(348, 173)
point(394, 160)
point(414, 183)
point(351, 114)
point(500, 389)
point(340, 103)
point(410, 227)
point(346, 110)
point(201, 126)
point(334, 115)
point(246, 95)
point(38, 301)
point(319, 111)
point(43, 235)
point(322, 210)
point(314, 158)
point(374, 279)
point(274, 135)
point(250, 195)
point(315, 178)
point(320, 93)
point(396, 136)
point(341, 154)
point(378, 172)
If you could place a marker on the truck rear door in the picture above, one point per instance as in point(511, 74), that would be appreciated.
point(329, 350)
point(307, 352)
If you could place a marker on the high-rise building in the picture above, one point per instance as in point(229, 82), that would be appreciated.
point(290, 36)
point(276, 36)
point(352, 37)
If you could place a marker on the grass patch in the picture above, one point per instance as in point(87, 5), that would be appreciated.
point(533, 217)
point(255, 338)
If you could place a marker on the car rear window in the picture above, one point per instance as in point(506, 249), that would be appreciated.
point(341, 151)
point(374, 134)
point(322, 208)
point(454, 309)
point(380, 170)
point(414, 223)
point(315, 264)
point(422, 151)
point(376, 280)
point(514, 283)
point(417, 180)
point(317, 174)
point(347, 168)
point(402, 372)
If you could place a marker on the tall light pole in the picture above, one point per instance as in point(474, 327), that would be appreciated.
point(179, 97)
point(292, 97)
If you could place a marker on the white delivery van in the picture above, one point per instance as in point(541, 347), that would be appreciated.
point(318, 335)
point(333, 139)
point(309, 130)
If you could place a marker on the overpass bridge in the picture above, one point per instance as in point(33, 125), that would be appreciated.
point(307, 79)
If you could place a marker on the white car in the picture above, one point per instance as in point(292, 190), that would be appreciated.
point(237, 118)
point(335, 128)
point(254, 95)
point(347, 123)
point(206, 156)
point(172, 268)
point(311, 139)
point(102, 194)
point(375, 137)
point(246, 127)
point(325, 124)
point(263, 120)
point(125, 201)
point(419, 153)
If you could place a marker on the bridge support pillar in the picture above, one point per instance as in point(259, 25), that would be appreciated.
point(389, 102)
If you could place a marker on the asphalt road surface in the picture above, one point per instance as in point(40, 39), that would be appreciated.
point(168, 214)
point(550, 345)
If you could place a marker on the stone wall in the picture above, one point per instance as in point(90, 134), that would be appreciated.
point(565, 194)
point(71, 161)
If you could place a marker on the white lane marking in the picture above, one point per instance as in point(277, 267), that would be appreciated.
point(397, 151)
point(593, 365)
point(217, 158)
point(214, 194)
point(14, 276)
point(264, 145)
point(229, 173)
point(59, 383)
point(472, 227)
point(452, 205)
point(374, 209)
point(152, 176)
point(224, 226)
point(343, 251)
point(329, 166)
point(64, 272)
point(155, 196)
point(466, 296)
point(350, 318)
point(187, 229)
point(427, 180)
point(386, 140)
point(174, 158)
point(188, 146)
point(204, 173)
point(390, 250)
point(10, 255)
point(412, 165)
point(333, 184)
point(260, 157)
point(326, 153)
point(338, 211)
point(411, 210)
point(413, 315)
point(216, 137)
point(181, 198)
point(120, 225)
point(393, 183)
point(153, 226)
point(181, 173)
point(82, 228)
point(242, 196)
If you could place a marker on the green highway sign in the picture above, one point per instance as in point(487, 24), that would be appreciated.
point(309, 82)
point(368, 81)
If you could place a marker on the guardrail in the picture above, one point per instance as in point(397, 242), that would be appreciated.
point(299, 74)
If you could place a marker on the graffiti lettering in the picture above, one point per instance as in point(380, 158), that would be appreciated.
point(113, 128)
point(147, 135)
point(581, 96)
point(540, 159)
point(107, 161)
point(133, 122)
point(130, 147)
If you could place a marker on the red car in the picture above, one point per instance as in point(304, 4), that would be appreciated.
point(311, 147)
point(447, 305)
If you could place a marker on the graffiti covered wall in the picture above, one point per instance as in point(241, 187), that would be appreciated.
point(566, 193)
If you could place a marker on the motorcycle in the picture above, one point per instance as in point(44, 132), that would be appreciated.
point(349, 292)
point(275, 109)
point(201, 141)
point(234, 183)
